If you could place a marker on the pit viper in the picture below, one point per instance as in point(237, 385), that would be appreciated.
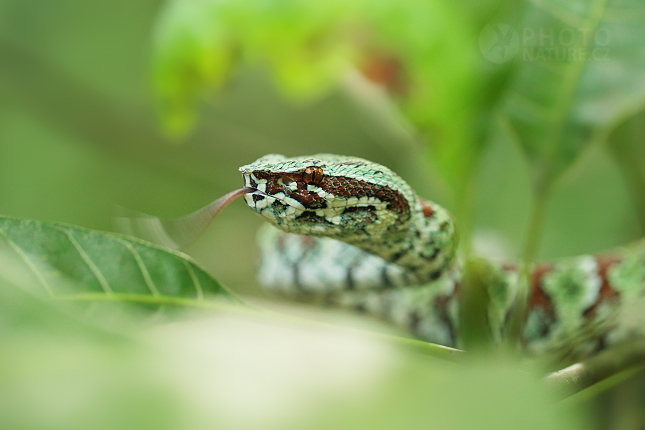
point(354, 233)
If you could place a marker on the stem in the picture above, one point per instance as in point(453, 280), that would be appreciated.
point(599, 388)
point(536, 225)
point(546, 178)
point(465, 210)
point(473, 294)
point(473, 305)
point(609, 368)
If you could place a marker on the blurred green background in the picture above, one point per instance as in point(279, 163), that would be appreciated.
point(134, 104)
point(79, 134)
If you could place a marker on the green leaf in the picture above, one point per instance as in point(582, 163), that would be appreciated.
point(421, 52)
point(626, 145)
point(191, 55)
point(66, 262)
point(433, 42)
point(580, 71)
point(199, 43)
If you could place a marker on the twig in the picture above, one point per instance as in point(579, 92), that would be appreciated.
point(599, 368)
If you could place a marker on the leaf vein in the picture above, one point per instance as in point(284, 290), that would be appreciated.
point(196, 283)
point(142, 267)
point(86, 258)
point(23, 255)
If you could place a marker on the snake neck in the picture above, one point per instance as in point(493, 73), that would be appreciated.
point(424, 245)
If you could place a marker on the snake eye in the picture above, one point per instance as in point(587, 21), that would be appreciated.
point(312, 175)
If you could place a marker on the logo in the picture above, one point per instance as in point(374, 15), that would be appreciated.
point(499, 43)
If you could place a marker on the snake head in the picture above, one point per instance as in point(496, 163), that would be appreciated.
point(355, 201)
point(328, 195)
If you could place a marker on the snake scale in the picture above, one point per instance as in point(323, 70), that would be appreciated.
point(354, 233)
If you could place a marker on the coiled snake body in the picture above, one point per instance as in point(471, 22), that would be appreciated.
point(353, 231)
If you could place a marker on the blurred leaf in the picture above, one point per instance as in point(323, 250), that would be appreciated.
point(438, 65)
point(580, 72)
point(626, 145)
point(57, 372)
point(199, 42)
point(194, 55)
point(421, 52)
point(73, 263)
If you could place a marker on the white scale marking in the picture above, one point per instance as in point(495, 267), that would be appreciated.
point(295, 203)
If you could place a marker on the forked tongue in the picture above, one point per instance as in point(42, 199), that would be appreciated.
point(174, 233)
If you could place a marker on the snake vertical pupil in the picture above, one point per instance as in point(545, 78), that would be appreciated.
point(312, 175)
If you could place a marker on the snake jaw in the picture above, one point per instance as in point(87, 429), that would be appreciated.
point(340, 194)
point(324, 200)
point(290, 215)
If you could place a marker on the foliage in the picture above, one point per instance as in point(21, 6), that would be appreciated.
point(310, 46)
point(69, 262)
point(575, 75)
point(515, 101)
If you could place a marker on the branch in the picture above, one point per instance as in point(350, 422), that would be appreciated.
point(626, 359)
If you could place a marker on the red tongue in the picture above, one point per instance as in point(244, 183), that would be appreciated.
point(176, 233)
point(216, 207)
